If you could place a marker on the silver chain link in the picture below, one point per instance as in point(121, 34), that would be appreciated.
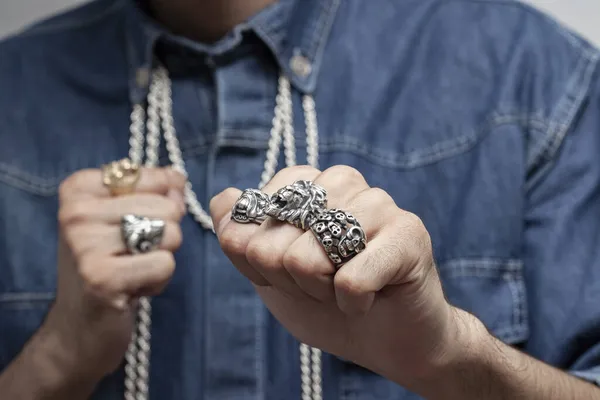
point(160, 119)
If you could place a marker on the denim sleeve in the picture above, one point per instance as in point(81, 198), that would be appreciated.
point(562, 234)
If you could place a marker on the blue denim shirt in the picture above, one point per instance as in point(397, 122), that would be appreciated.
point(482, 117)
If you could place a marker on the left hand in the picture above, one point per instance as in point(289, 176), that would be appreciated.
point(384, 310)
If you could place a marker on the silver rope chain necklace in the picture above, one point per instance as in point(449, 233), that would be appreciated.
point(157, 121)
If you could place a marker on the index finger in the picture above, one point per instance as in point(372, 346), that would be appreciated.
point(88, 183)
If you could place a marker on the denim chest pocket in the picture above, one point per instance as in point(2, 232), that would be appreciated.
point(31, 170)
point(492, 290)
point(466, 183)
point(469, 201)
point(27, 265)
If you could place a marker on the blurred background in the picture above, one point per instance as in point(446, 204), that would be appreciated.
point(581, 15)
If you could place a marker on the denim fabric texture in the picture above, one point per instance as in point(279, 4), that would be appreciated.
point(482, 117)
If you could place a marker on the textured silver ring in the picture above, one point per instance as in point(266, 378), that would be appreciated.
point(141, 234)
point(340, 234)
point(298, 203)
point(250, 207)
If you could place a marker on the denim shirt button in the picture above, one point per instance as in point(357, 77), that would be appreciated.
point(300, 65)
point(210, 62)
point(142, 77)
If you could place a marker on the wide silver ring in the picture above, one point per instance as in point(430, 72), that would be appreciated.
point(250, 207)
point(340, 234)
point(141, 234)
point(297, 203)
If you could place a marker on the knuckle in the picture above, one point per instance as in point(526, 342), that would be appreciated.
point(373, 198)
point(176, 177)
point(408, 221)
point(159, 206)
point(343, 173)
point(224, 197)
point(380, 196)
point(76, 241)
point(73, 213)
point(166, 260)
point(410, 237)
point(418, 229)
point(160, 179)
point(423, 241)
point(261, 253)
point(231, 192)
point(64, 190)
point(173, 212)
point(69, 237)
point(296, 262)
point(75, 182)
point(93, 280)
point(347, 284)
point(397, 249)
point(231, 242)
point(414, 220)
point(297, 170)
point(175, 236)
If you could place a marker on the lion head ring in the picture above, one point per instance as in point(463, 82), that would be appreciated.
point(297, 203)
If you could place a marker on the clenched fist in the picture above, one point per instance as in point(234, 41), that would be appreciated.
point(98, 279)
point(384, 309)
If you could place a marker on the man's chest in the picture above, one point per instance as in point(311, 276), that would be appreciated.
point(451, 172)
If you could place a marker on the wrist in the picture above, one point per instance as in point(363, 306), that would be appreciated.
point(468, 348)
point(59, 366)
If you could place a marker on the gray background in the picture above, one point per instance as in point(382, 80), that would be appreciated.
point(582, 15)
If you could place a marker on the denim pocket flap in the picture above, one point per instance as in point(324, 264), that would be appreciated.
point(492, 290)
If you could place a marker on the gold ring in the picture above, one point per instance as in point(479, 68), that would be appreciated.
point(120, 177)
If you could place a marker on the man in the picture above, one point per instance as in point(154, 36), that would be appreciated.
point(480, 119)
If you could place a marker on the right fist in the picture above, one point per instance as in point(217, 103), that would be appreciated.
point(98, 280)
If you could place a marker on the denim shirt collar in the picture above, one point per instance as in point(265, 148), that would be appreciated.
point(295, 31)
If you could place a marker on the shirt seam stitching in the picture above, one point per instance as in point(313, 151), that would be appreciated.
point(564, 115)
point(562, 30)
point(26, 297)
point(445, 149)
